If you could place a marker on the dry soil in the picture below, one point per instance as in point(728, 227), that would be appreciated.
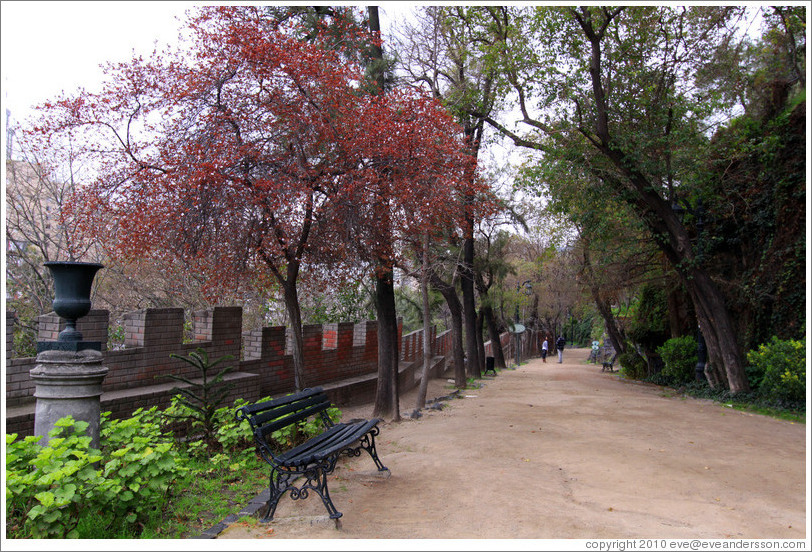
point(563, 451)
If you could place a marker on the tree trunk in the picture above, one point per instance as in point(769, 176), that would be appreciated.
point(450, 295)
point(427, 352)
point(480, 340)
point(292, 306)
point(679, 321)
point(387, 400)
point(604, 308)
point(719, 332)
point(383, 395)
point(387, 397)
point(493, 334)
point(725, 368)
point(474, 369)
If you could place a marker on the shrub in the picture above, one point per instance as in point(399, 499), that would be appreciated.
point(234, 436)
point(679, 355)
point(633, 365)
point(755, 375)
point(783, 365)
point(51, 488)
point(648, 326)
point(67, 489)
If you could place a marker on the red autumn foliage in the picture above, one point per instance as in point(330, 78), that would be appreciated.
point(249, 153)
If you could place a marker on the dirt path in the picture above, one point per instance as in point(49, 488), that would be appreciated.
point(560, 451)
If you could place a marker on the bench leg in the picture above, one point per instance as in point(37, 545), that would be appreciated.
point(367, 443)
point(276, 490)
point(315, 479)
point(324, 493)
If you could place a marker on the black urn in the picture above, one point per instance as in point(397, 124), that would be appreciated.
point(72, 284)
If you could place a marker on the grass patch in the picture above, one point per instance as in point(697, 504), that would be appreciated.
point(200, 500)
point(773, 412)
point(752, 402)
point(204, 498)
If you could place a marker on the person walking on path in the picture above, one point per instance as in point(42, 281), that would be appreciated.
point(544, 348)
point(559, 345)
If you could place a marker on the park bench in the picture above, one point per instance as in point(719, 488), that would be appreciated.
point(314, 459)
point(609, 365)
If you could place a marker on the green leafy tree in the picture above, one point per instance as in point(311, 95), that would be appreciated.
point(755, 184)
point(609, 90)
point(490, 271)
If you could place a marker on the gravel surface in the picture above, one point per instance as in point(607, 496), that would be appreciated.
point(562, 451)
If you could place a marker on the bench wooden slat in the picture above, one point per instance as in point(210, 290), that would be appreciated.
point(330, 442)
point(252, 409)
point(270, 427)
point(289, 414)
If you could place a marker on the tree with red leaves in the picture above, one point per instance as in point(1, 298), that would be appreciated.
point(245, 152)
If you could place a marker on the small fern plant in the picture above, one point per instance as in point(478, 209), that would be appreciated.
point(197, 402)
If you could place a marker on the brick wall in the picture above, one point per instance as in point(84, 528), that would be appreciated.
point(93, 326)
point(263, 364)
point(411, 348)
point(152, 335)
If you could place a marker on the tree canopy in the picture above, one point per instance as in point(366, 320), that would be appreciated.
point(248, 153)
point(284, 148)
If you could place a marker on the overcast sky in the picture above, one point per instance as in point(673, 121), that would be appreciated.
point(48, 47)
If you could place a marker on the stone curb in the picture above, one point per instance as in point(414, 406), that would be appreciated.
point(249, 510)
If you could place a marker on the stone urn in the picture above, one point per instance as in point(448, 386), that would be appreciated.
point(72, 284)
point(69, 372)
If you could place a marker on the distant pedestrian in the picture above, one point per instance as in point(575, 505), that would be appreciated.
point(559, 345)
point(544, 348)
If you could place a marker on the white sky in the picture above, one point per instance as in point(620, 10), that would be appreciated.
point(50, 47)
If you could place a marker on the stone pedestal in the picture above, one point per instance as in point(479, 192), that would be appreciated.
point(68, 383)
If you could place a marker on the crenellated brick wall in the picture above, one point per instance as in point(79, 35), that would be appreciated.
point(93, 326)
point(341, 357)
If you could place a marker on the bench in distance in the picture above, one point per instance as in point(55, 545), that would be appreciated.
point(609, 365)
point(314, 459)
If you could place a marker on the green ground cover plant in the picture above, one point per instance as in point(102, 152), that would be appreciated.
point(146, 481)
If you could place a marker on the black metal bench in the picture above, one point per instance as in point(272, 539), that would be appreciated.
point(609, 365)
point(314, 459)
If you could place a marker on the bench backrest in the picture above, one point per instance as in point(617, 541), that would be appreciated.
point(269, 416)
